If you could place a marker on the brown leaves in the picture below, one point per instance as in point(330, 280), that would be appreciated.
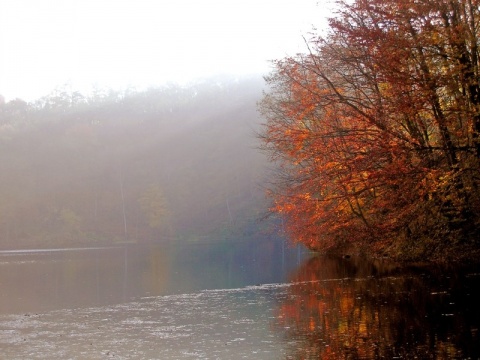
point(365, 125)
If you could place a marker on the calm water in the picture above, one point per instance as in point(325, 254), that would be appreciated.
point(255, 300)
point(357, 309)
point(36, 281)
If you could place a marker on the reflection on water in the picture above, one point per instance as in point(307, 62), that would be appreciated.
point(356, 309)
point(40, 281)
point(151, 302)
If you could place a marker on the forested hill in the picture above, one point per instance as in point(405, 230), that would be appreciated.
point(164, 164)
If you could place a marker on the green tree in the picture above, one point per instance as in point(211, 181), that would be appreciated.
point(153, 205)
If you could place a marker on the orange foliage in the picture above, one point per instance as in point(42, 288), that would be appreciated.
point(376, 129)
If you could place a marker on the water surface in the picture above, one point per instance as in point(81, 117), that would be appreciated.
point(362, 309)
point(41, 280)
point(258, 300)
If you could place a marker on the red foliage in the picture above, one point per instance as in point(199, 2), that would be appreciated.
point(376, 129)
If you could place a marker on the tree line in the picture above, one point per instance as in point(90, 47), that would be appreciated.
point(163, 164)
point(376, 131)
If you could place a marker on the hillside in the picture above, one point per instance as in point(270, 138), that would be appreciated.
point(165, 164)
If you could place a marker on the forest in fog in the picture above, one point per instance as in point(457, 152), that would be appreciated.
point(157, 165)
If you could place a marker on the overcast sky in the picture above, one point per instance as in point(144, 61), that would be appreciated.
point(115, 43)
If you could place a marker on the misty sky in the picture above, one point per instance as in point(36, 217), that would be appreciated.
point(116, 43)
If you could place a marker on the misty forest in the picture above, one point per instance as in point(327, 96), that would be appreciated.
point(372, 136)
point(133, 166)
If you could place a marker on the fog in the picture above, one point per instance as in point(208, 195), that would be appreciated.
point(159, 165)
point(115, 44)
point(135, 121)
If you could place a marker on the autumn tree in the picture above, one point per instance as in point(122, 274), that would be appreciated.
point(376, 129)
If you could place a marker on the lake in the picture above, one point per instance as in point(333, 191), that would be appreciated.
point(248, 300)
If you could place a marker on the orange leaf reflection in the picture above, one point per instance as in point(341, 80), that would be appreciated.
point(356, 309)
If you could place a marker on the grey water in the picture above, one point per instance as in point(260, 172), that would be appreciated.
point(247, 300)
point(51, 279)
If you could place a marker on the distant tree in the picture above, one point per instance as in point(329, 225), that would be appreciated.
point(70, 220)
point(152, 203)
point(14, 111)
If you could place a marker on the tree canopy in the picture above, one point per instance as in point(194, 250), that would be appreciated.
point(376, 130)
